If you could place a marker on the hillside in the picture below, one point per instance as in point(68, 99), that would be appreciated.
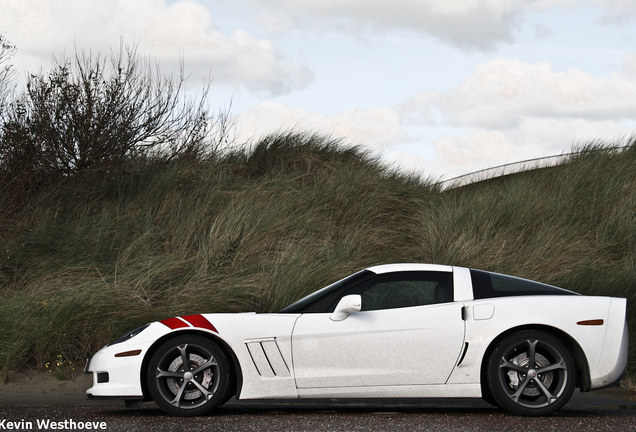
point(90, 257)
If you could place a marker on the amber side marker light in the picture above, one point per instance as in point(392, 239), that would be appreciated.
point(591, 322)
point(128, 353)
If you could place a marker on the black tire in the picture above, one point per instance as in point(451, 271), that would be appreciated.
point(486, 396)
point(189, 376)
point(531, 373)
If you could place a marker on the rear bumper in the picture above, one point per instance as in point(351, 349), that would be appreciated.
point(615, 383)
point(613, 362)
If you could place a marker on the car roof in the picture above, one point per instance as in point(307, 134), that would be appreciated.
point(389, 268)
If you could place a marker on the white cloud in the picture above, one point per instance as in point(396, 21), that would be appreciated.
point(184, 29)
point(508, 110)
point(629, 66)
point(617, 10)
point(467, 24)
point(376, 128)
point(501, 92)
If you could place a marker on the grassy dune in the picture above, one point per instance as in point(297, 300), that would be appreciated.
point(91, 258)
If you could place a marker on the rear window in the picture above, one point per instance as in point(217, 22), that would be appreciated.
point(488, 285)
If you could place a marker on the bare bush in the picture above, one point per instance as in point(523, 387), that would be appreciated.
point(91, 114)
point(6, 72)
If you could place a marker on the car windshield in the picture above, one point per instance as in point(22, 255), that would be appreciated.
point(315, 296)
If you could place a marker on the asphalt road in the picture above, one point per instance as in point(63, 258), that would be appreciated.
point(588, 412)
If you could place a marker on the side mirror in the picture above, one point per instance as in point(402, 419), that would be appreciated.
point(348, 304)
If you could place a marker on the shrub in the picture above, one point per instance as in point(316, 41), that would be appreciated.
point(90, 115)
point(6, 72)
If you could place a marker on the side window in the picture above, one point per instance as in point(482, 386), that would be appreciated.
point(405, 289)
point(487, 285)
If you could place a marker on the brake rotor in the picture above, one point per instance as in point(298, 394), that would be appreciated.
point(532, 389)
point(204, 378)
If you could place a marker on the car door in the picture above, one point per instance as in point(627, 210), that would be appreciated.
point(408, 332)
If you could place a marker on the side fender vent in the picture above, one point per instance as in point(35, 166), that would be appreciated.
point(267, 358)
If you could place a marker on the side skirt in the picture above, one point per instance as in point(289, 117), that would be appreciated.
point(419, 391)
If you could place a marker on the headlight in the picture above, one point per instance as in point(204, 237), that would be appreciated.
point(131, 334)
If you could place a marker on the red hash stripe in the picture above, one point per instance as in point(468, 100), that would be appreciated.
point(174, 323)
point(200, 321)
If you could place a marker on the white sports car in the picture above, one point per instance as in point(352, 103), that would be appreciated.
point(398, 330)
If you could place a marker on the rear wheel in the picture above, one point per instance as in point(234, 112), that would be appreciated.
point(188, 376)
point(531, 373)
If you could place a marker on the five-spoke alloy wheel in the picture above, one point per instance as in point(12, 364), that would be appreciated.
point(531, 373)
point(188, 376)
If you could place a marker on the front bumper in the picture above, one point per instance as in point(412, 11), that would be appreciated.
point(115, 376)
point(117, 368)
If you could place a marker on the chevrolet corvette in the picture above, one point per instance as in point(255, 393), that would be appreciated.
point(396, 330)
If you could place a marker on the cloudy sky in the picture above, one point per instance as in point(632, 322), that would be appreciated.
point(443, 87)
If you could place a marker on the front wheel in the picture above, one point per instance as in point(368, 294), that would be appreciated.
point(188, 376)
point(531, 373)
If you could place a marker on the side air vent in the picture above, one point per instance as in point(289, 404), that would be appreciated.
point(267, 358)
